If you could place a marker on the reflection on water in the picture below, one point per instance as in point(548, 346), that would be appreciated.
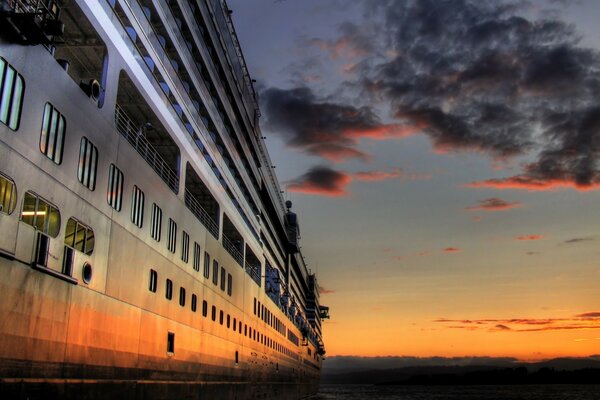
point(524, 392)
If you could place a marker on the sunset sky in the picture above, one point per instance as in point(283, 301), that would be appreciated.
point(442, 157)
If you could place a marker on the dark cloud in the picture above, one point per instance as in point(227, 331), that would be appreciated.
point(324, 290)
point(324, 128)
point(593, 314)
point(494, 204)
point(473, 76)
point(501, 327)
point(579, 240)
point(322, 181)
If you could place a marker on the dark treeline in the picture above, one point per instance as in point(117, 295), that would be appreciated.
point(505, 376)
point(467, 375)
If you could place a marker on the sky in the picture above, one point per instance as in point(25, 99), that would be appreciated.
point(442, 156)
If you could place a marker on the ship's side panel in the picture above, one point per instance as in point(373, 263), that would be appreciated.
point(156, 300)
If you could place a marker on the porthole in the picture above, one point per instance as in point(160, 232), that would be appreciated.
point(87, 272)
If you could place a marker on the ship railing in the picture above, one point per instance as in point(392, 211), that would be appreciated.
point(43, 8)
point(231, 42)
point(254, 272)
point(203, 216)
point(233, 250)
point(133, 133)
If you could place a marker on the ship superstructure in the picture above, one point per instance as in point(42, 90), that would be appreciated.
point(146, 250)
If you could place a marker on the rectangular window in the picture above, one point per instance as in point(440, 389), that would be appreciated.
point(169, 289)
point(182, 297)
point(228, 320)
point(170, 342)
point(206, 265)
point(40, 214)
point(68, 258)
point(215, 278)
point(156, 222)
point(185, 246)
point(204, 308)
point(214, 313)
point(153, 281)
point(79, 236)
point(52, 137)
point(229, 284)
point(194, 302)
point(221, 317)
point(88, 162)
point(8, 195)
point(137, 207)
point(223, 274)
point(197, 252)
point(172, 236)
point(114, 193)
point(12, 88)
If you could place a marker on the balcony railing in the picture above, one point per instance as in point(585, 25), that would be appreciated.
point(128, 129)
point(203, 216)
point(231, 249)
point(254, 272)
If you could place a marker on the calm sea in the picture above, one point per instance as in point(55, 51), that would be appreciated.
point(524, 392)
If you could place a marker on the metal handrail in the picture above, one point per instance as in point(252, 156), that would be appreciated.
point(254, 272)
point(130, 131)
point(203, 216)
point(38, 7)
point(231, 249)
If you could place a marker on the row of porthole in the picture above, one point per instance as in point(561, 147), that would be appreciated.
point(226, 320)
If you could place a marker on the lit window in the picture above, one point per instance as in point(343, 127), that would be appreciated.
point(79, 236)
point(12, 88)
point(185, 246)
point(172, 236)
point(156, 222)
point(40, 214)
point(137, 207)
point(52, 137)
point(114, 194)
point(8, 195)
point(197, 252)
point(88, 162)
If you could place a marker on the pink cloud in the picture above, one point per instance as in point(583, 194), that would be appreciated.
point(529, 237)
point(452, 250)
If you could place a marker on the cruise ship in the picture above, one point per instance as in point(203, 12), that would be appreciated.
point(146, 251)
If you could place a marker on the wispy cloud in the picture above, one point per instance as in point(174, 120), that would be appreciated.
point(452, 250)
point(583, 321)
point(529, 237)
point(324, 290)
point(494, 204)
point(579, 240)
